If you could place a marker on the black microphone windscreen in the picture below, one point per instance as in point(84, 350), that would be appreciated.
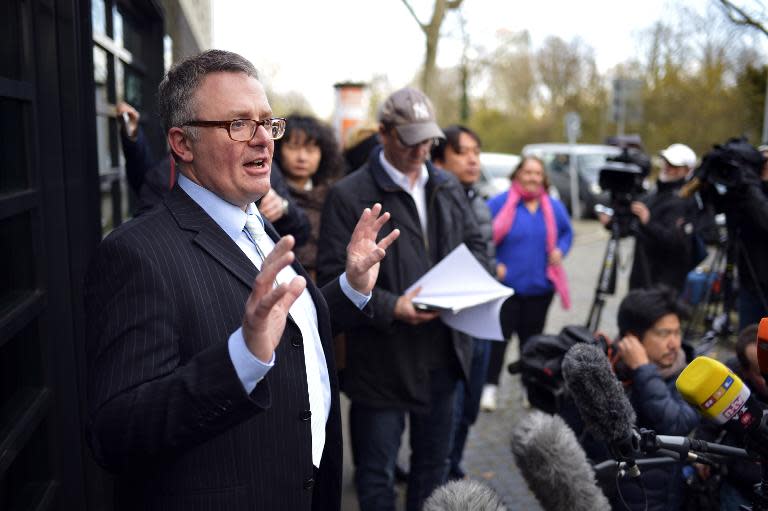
point(554, 465)
point(597, 393)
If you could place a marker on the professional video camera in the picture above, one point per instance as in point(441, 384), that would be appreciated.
point(726, 168)
point(622, 176)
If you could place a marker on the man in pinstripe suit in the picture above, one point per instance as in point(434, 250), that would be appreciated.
point(211, 375)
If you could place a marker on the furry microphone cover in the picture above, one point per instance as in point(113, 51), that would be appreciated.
point(555, 466)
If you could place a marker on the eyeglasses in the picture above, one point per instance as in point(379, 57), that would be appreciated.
point(666, 333)
point(243, 130)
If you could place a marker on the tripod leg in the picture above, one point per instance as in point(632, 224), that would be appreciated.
point(606, 281)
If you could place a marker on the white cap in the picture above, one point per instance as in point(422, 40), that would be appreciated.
point(679, 155)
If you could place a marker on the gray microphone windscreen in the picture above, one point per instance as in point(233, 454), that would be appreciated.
point(555, 466)
point(463, 495)
point(597, 393)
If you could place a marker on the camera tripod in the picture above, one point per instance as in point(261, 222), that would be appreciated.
point(711, 317)
point(606, 281)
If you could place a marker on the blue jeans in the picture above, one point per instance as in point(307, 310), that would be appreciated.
point(467, 403)
point(375, 435)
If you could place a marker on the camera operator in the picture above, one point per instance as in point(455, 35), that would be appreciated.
point(738, 476)
point(664, 225)
point(734, 179)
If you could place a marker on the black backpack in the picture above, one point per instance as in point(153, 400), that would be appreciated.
point(540, 364)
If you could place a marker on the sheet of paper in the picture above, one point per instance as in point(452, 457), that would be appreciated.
point(461, 284)
point(482, 321)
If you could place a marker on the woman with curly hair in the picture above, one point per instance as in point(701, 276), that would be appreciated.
point(309, 156)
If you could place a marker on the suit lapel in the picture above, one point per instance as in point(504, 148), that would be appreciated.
point(209, 236)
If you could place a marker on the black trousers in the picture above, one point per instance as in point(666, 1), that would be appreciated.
point(524, 315)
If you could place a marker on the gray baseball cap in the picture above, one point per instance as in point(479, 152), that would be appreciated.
point(412, 115)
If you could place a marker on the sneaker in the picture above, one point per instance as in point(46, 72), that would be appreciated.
point(488, 398)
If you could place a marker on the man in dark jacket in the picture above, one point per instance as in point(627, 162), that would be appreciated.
point(665, 225)
point(651, 350)
point(459, 154)
point(404, 360)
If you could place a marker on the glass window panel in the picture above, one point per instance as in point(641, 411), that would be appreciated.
point(100, 70)
point(99, 16)
point(133, 36)
point(133, 93)
point(102, 144)
point(14, 164)
point(167, 52)
point(119, 79)
point(117, 26)
point(10, 39)
point(17, 266)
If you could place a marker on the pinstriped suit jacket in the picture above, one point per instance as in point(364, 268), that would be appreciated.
point(168, 413)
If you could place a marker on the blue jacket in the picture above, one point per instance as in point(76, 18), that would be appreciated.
point(523, 249)
point(661, 408)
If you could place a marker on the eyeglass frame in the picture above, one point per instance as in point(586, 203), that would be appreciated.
point(227, 125)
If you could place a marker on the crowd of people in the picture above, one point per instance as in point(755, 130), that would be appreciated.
point(267, 269)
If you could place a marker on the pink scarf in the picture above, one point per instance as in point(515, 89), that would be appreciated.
point(503, 221)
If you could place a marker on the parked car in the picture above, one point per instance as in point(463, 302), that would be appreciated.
point(495, 169)
point(589, 159)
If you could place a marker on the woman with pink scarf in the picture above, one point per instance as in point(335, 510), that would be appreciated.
point(532, 233)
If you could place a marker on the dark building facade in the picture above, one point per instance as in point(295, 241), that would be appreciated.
point(63, 66)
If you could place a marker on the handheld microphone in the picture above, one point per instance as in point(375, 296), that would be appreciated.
point(602, 403)
point(762, 347)
point(554, 465)
point(719, 395)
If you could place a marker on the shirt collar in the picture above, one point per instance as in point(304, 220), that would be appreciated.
point(228, 216)
point(401, 179)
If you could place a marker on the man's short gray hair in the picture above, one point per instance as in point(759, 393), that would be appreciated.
point(176, 93)
point(462, 495)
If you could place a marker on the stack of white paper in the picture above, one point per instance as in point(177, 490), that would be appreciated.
point(468, 296)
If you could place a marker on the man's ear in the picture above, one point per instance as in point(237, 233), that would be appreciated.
point(180, 144)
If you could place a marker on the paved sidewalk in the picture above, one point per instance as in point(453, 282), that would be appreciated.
point(487, 455)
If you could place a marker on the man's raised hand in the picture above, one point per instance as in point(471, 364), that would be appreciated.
point(363, 253)
point(267, 306)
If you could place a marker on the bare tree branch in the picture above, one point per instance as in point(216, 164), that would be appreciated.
point(743, 17)
point(413, 13)
point(453, 4)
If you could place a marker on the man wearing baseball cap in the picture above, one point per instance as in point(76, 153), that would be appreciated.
point(405, 361)
point(666, 224)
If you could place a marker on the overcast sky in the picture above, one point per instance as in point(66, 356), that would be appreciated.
point(308, 45)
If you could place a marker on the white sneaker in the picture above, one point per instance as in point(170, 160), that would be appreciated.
point(488, 398)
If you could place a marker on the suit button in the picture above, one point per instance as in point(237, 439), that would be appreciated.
point(305, 415)
point(296, 342)
point(309, 483)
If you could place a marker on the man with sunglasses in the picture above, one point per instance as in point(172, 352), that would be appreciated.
point(404, 360)
point(211, 374)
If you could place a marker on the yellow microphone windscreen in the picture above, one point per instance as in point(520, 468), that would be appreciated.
point(712, 388)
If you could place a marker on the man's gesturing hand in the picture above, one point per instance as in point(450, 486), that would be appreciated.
point(267, 307)
point(363, 253)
